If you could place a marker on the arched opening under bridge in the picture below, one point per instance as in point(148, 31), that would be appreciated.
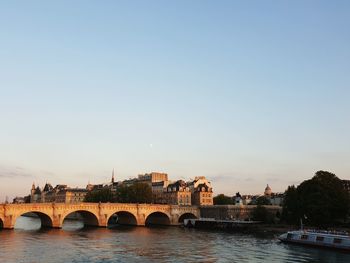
point(122, 218)
point(157, 218)
point(33, 220)
point(186, 216)
point(79, 219)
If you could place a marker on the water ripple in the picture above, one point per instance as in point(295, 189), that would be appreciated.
point(27, 243)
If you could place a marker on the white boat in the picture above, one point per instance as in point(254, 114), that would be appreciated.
point(326, 239)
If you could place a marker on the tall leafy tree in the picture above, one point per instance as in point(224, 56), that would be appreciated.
point(260, 213)
point(291, 212)
point(136, 193)
point(222, 199)
point(320, 201)
point(104, 195)
point(263, 200)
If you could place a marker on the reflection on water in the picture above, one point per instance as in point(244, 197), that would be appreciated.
point(29, 243)
point(32, 223)
point(28, 223)
point(72, 225)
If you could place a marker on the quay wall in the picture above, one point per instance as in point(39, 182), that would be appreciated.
point(230, 212)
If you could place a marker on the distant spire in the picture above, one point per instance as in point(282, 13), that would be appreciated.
point(113, 176)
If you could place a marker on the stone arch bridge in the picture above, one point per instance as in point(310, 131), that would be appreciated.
point(98, 214)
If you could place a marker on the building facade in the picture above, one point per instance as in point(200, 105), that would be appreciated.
point(202, 195)
point(177, 193)
point(202, 191)
point(197, 192)
point(58, 194)
point(158, 189)
point(274, 198)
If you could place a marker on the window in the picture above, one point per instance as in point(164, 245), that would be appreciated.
point(319, 239)
point(337, 241)
point(304, 237)
point(289, 236)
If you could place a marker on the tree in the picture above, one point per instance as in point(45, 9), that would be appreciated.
point(320, 201)
point(136, 193)
point(263, 200)
point(222, 199)
point(140, 193)
point(260, 213)
point(123, 194)
point(291, 212)
point(103, 195)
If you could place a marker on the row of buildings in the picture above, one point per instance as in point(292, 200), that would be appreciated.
point(61, 193)
point(194, 192)
point(273, 198)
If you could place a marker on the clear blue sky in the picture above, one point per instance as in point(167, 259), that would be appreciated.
point(243, 92)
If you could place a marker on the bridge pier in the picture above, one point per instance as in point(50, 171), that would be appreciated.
point(102, 221)
point(174, 220)
point(141, 221)
point(56, 222)
point(103, 216)
point(8, 222)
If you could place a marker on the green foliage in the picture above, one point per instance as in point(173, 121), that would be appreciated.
point(123, 194)
point(291, 212)
point(260, 213)
point(320, 201)
point(263, 200)
point(222, 199)
point(136, 193)
point(104, 195)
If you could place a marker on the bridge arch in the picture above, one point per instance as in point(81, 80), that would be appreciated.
point(186, 216)
point(158, 218)
point(122, 218)
point(89, 218)
point(1, 223)
point(45, 219)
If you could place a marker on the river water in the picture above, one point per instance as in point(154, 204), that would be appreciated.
point(28, 243)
